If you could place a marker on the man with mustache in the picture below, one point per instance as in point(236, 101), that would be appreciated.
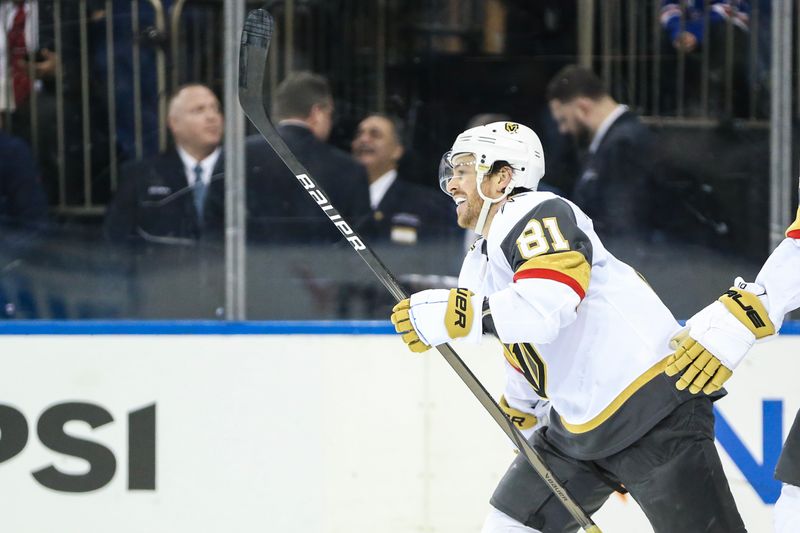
point(402, 212)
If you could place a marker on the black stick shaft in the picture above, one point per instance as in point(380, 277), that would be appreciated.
point(256, 35)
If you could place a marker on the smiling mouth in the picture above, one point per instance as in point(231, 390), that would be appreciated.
point(363, 150)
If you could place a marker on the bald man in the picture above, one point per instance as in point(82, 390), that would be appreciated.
point(166, 198)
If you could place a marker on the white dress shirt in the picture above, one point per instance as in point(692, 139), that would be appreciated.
point(206, 164)
point(378, 188)
point(603, 129)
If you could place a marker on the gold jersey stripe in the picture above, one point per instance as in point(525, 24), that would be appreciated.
point(572, 264)
point(617, 402)
point(510, 357)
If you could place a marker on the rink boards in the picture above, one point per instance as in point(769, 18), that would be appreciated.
point(170, 427)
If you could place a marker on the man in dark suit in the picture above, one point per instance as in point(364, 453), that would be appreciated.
point(279, 209)
point(616, 185)
point(23, 205)
point(165, 198)
point(402, 212)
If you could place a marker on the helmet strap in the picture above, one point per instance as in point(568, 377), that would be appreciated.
point(487, 203)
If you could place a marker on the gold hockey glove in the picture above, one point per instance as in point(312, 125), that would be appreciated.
point(436, 316)
point(401, 319)
point(719, 337)
point(705, 372)
point(519, 418)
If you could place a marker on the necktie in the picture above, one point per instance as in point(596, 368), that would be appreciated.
point(199, 191)
point(17, 55)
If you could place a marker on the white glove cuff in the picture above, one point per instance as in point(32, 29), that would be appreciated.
point(721, 334)
point(427, 314)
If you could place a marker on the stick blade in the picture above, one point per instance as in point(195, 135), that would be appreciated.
point(256, 36)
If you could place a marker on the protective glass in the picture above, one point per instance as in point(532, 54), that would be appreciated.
point(460, 165)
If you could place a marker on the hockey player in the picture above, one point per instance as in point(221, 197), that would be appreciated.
point(717, 338)
point(579, 328)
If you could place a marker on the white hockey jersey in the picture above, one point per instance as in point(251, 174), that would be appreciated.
point(780, 275)
point(580, 327)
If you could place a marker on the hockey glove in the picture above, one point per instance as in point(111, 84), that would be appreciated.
point(436, 316)
point(718, 338)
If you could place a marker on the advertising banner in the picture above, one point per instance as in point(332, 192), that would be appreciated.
point(298, 433)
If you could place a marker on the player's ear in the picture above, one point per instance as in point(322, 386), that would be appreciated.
point(504, 177)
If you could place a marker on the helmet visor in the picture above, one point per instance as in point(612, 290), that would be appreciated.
point(457, 166)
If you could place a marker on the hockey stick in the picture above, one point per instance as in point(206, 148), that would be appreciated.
point(256, 35)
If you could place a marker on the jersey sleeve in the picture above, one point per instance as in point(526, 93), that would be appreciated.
point(548, 244)
point(780, 275)
point(551, 260)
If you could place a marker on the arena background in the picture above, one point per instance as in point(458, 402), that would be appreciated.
point(242, 385)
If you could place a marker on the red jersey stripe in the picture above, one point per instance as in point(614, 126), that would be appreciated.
point(555, 275)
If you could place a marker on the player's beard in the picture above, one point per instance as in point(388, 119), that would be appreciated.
point(470, 210)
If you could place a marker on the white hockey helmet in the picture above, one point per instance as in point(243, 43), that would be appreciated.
point(511, 142)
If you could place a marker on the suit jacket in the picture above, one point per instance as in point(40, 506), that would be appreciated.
point(280, 210)
point(154, 202)
point(615, 187)
point(409, 213)
point(22, 199)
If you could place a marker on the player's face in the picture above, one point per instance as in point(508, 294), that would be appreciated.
point(568, 116)
point(196, 118)
point(375, 145)
point(463, 188)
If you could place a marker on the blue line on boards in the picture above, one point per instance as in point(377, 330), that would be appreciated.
point(218, 327)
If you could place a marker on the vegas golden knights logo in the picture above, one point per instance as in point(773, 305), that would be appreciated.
point(525, 357)
point(512, 127)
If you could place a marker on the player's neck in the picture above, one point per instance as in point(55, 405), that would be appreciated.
point(490, 217)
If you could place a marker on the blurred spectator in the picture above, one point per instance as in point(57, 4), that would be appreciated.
point(684, 27)
point(165, 197)
point(482, 119)
point(27, 30)
point(402, 212)
point(23, 204)
point(125, 70)
point(618, 173)
point(25, 33)
point(279, 208)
